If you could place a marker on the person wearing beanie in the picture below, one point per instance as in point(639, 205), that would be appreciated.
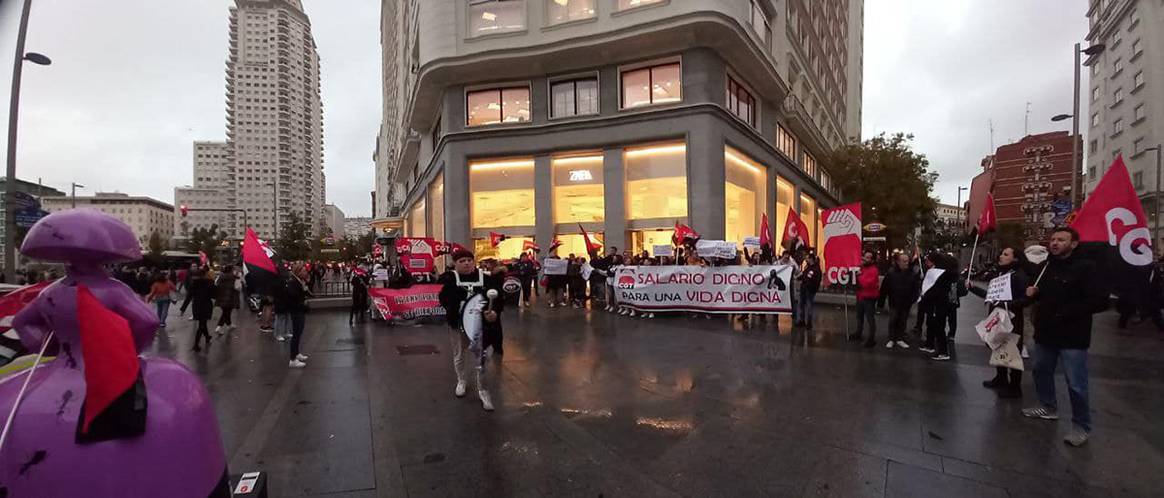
point(465, 296)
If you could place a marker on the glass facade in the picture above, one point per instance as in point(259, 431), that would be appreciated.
point(578, 189)
point(744, 195)
point(644, 240)
point(497, 105)
point(562, 11)
point(656, 181)
point(488, 17)
point(653, 85)
point(416, 222)
point(808, 216)
point(501, 193)
point(436, 208)
point(574, 97)
point(573, 243)
point(510, 248)
point(785, 194)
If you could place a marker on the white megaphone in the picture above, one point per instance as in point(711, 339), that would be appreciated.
point(491, 294)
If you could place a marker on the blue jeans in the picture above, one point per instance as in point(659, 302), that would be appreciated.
point(807, 301)
point(163, 306)
point(1074, 361)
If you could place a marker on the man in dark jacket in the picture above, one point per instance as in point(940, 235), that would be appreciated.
point(459, 289)
point(1067, 294)
point(297, 292)
point(901, 288)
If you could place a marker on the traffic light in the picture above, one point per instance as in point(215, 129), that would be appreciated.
point(184, 210)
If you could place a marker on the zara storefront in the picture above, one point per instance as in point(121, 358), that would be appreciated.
point(624, 151)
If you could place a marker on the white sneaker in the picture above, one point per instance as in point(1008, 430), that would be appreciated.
point(551, 305)
point(650, 315)
point(460, 390)
point(632, 314)
point(190, 318)
point(926, 350)
point(486, 402)
point(218, 330)
point(889, 345)
point(902, 344)
point(301, 357)
point(1025, 354)
point(296, 364)
point(280, 338)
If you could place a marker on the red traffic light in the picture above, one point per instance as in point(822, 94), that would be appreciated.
point(184, 210)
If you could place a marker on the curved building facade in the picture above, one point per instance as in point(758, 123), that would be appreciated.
point(533, 118)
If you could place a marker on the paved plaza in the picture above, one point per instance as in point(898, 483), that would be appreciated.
point(593, 404)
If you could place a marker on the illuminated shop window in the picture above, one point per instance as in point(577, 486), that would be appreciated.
point(744, 195)
point(785, 193)
point(656, 181)
point(578, 190)
point(501, 193)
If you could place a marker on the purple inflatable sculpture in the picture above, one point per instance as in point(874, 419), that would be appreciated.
point(158, 438)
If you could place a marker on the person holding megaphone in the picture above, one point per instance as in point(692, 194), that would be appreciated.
point(471, 299)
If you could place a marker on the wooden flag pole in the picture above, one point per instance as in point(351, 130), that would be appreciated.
point(970, 267)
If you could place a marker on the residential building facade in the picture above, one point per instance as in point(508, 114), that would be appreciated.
point(145, 215)
point(1126, 92)
point(533, 118)
point(358, 226)
point(333, 221)
point(271, 164)
point(948, 215)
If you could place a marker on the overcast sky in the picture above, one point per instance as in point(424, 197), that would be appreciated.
point(134, 82)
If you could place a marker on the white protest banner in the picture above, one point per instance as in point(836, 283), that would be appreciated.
point(662, 250)
point(751, 242)
point(716, 289)
point(999, 289)
point(715, 249)
point(586, 271)
point(554, 266)
point(930, 279)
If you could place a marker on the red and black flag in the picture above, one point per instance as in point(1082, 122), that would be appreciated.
point(988, 220)
point(115, 399)
point(1113, 231)
point(795, 232)
point(257, 264)
point(529, 245)
point(683, 234)
point(592, 246)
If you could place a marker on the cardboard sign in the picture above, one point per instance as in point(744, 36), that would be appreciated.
point(246, 483)
point(662, 250)
point(715, 249)
point(752, 242)
point(553, 266)
point(716, 289)
point(999, 289)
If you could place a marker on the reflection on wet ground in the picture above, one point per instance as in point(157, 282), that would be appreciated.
point(593, 404)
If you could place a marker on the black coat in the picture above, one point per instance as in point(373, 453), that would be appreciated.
point(901, 288)
point(1019, 281)
point(810, 278)
point(296, 296)
point(451, 296)
point(201, 294)
point(1069, 293)
point(936, 299)
point(226, 295)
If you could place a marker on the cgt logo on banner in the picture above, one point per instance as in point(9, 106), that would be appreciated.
point(842, 243)
point(406, 304)
point(718, 289)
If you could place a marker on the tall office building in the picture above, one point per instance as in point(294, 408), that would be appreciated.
point(1126, 97)
point(271, 164)
point(528, 117)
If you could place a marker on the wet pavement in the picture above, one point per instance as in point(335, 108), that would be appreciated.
point(593, 404)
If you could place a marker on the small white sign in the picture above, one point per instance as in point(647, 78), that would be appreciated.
point(751, 241)
point(552, 266)
point(999, 289)
point(246, 483)
point(931, 278)
point(716, 249)
point(662, 250)
point(586, 271)
point(581, 175)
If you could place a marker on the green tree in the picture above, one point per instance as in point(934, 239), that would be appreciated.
point(207, 240)
point(886, 174)
point(294, 242)
point(155, 247)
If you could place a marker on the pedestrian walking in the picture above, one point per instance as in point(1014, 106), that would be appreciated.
point(161, 294)
point(468, 307)
point(936, 299)
point(900, 289)
point(868, 290)
point(359, 307)
point(1067, 295)
point(297, 294)
point(281, 306)
point(200, 292)
point(227, 289)
point(1008, 381)
point(809, 285)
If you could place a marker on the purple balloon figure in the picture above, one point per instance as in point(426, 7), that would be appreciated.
point(172, 448)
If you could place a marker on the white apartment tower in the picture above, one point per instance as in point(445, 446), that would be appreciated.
point(1126, 94)
point(273, 155)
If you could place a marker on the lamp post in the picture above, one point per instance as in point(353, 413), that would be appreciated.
point(1156, 198)
point(74, 196)
point(13, 110)
point(960, 189)
point(1076, 197)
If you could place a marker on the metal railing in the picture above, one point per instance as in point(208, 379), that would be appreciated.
point(332, 288)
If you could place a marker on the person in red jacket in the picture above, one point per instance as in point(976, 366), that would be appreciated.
point(868, 290)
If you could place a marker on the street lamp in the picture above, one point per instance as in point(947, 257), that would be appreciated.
point(13, 110)
point(960, 189)
point(1156, 197)
point(1096, 49)
point(74, 196)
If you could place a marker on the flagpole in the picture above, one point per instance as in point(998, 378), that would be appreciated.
point(970, 267)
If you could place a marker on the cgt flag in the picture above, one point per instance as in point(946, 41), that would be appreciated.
point(683, 233)
point(795, 231)
point(765, 232)
point(1113, 215)
point(529, 245)
point(842, 243)
point(496, 238)
point(988, 220)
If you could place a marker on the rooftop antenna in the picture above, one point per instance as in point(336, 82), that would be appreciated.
point(990, 123)
point(1027, 120)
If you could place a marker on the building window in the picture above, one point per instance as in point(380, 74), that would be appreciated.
point(1095, 120)
point(759, 21)
point(1138, 180)
point(1094, 70)
point(501, 193)
point(436, 206)
point(416, 223)
point(1092, 146)
point(1138, 113)
point(1138, 146)
point(1094, 95)
point(656, 181)
point(785, 193)
point(574, 97)
point(808, 216)
point(1117, 66)
point(744, 195)
point(809, 165)
point(660, 84)
point(497, 105)
point(579, 195)
point(1117, 96)
point(1091, 172)
point(786, 143)
point(630, 4)
point(1117, 127)
point(487, 17)
point(1138, 80)
point(740, 102)
point(563, 11)
point(1137, 48)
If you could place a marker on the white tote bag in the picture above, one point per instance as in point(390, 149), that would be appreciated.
point(994, 329)
point(1007, 355)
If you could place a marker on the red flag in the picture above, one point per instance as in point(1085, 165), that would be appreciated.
point(795, 231)
point(988, 220)
point(529, 245)
point(496, 238)
point(765, 232)
point(1113, 214)
point(14, 301)
point(202, 259)
point(253, 255)
point(592, 248)
point(842, 243)
point(555, 244)
point(111, 364)
point(683, 233)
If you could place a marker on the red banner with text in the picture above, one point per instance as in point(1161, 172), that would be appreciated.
point(842, 243)
point(414, 302)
